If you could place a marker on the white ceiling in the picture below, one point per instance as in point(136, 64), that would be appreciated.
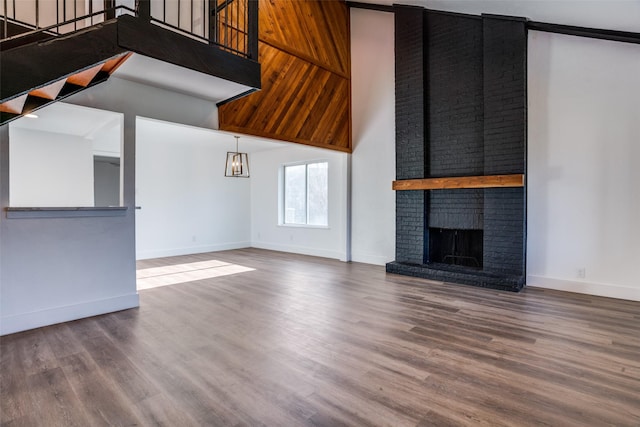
point(151, 72)
point(70, 119)
point(621, 15)
point(158, 129)
point(86, 122)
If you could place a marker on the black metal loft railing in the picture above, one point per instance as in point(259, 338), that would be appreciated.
point(229, 24)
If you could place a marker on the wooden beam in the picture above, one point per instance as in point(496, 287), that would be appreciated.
point(370, 6)
point(594, 33)
point(489, 181)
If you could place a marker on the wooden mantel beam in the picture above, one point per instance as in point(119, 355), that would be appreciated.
point(488, 181)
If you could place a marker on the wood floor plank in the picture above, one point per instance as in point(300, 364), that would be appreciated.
point(52, 396)
point(15, 402)
point(282, 339)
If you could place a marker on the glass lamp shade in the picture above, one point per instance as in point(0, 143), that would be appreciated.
point(237, 165)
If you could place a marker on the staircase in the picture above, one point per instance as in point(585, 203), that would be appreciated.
point(27, 103)
point(81, 47)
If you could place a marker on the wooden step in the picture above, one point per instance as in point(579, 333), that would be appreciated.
point(15, 105)
point(50, 93)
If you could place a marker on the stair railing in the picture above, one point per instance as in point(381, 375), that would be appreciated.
point(229, 24)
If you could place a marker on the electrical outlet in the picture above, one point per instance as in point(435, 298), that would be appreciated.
point(582, 273)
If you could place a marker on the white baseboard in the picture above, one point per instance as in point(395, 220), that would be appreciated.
point(581, 287)
point(37, 319)
point(300, 250)
point(370, 259)
point(191, 250)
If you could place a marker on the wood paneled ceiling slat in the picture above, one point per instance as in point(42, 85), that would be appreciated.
point(315, 30)
point(297, 92)
point(305, 96)
point(278, 98)
point(306, 106)
point(310, 106)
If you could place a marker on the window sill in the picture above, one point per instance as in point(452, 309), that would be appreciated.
point(75, 212)
point(321, 227)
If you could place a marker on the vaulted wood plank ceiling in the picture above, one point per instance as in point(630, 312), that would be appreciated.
point(305, 96)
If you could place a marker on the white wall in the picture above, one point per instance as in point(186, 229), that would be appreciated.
point(50, 169)
point(373, 160)
point(583, 174)
point(328, 242)
point(188, 205)
point(107, 141)
point(59, 269)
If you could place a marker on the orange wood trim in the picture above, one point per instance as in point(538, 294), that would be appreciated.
point(279, 138)
point(83, 78)
point(489, 181)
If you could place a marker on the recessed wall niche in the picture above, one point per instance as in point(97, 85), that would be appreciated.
point(67, 156)
point(460, 112)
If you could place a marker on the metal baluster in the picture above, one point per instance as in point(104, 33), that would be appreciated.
point(191, 16)
point(178, 14)
point(246, 27)
point(226, 25)
point(5, 30)
point(37, 14)
point(252, 29)
point(215, 21)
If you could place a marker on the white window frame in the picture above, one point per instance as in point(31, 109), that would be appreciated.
point(282, 192)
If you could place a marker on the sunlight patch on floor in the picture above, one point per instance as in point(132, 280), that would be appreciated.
point(155, 277)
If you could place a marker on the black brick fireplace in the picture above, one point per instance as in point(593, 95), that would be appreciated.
point(460, 113)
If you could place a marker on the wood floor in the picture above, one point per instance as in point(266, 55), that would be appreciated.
point(285, 340)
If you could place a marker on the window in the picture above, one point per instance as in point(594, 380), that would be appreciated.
point(305, 194)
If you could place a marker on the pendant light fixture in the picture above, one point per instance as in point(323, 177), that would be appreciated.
point(237, 165)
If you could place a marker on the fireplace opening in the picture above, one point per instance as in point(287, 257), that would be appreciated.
point(456, 247)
